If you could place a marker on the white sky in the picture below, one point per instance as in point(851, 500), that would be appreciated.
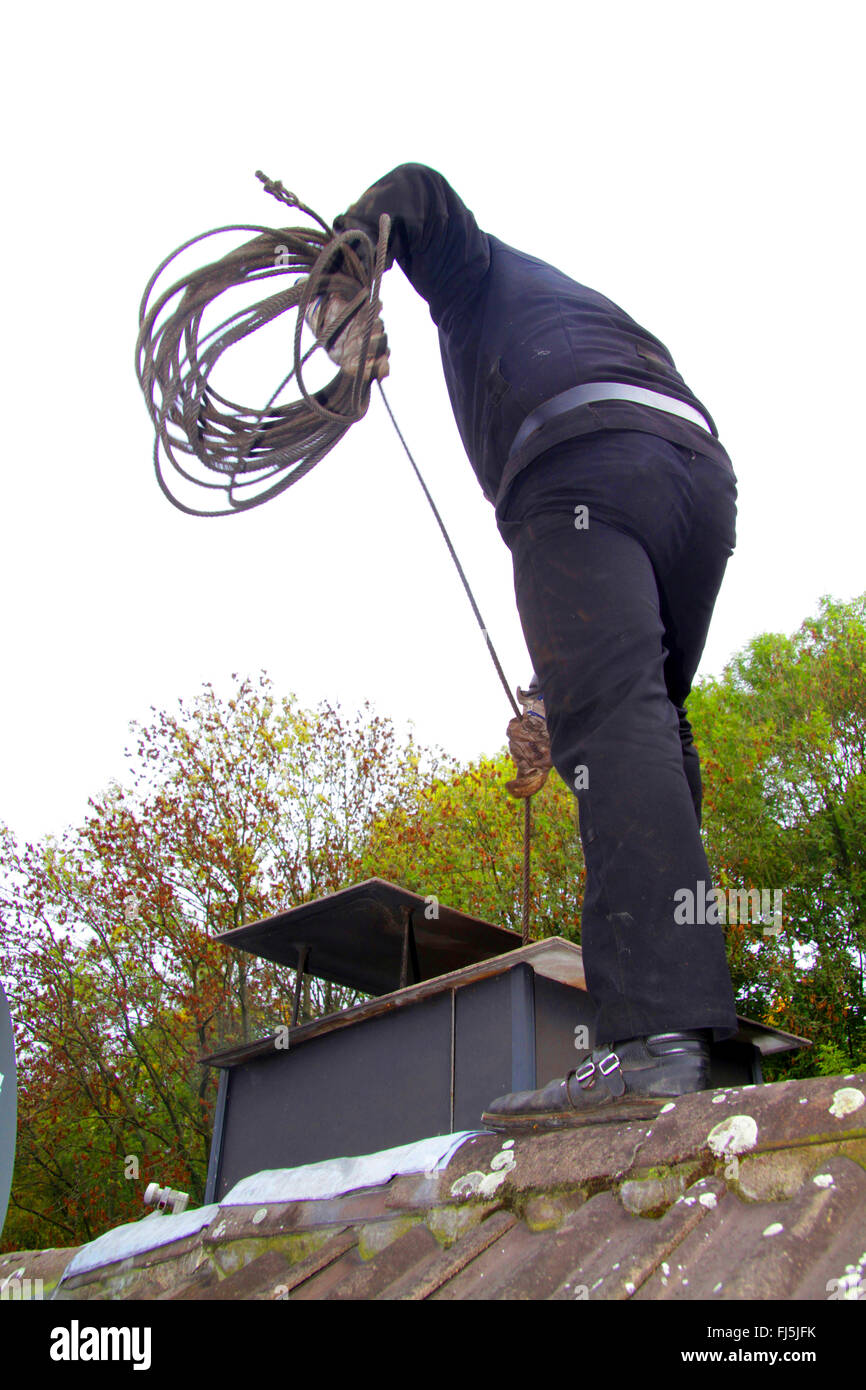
point(699, 164)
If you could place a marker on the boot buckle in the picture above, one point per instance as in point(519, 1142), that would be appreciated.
point(610, 1069)
point(584, 1075)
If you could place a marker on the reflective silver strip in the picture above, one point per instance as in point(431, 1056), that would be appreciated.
point(608, 1064)
point(603, 391)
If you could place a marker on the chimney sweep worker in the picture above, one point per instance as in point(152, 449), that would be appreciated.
point(618, 504)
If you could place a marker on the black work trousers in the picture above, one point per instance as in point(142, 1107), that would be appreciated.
point(620, 541)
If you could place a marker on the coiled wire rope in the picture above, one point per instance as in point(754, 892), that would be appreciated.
point(258, 452)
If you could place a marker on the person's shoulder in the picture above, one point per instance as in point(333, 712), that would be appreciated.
point(506, 254)
point(412, 188)
point(415, 172)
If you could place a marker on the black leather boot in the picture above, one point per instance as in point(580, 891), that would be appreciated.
point(631, 1080)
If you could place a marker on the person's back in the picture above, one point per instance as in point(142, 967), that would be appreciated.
point(515, 332)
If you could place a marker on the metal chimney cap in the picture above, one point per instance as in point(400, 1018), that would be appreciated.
point(355, 937)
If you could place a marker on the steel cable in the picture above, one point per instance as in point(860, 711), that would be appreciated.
point(258, 452)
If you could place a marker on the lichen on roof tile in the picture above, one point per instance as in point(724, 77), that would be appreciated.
point(765, 1203)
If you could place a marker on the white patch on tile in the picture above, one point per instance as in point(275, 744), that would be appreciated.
point(629, 1286)
point(846, 1101)
point(260, 1215)
point(774, 1229)
point(852, 1285)
point(707, 1199)
point(666, 1269)
point(718, 1100)
point(478, 1184)
point(665, 1108)
point(823, 1180)
point(734, 1135)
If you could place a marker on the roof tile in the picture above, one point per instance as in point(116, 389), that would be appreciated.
point(737, 1194)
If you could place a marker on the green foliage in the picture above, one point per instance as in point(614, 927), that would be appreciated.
point(830, 1060)
point(782, 736)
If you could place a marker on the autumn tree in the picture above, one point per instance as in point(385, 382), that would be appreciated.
point(233, 810)
point(459, 835)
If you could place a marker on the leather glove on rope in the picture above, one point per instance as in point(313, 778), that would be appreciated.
point(529, 746)
point(345, 350)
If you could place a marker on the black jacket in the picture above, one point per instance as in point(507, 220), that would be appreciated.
point(515, 332)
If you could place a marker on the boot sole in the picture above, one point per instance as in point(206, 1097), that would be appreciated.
point(618, 1111)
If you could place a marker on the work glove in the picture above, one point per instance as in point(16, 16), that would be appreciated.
point(345, 349)
point(529, 745)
